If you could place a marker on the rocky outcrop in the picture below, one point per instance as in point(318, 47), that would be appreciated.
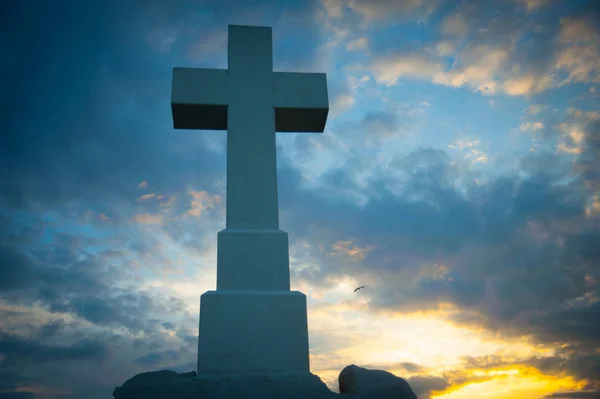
point(353, 381)
point(373, 384)
point(166, 384)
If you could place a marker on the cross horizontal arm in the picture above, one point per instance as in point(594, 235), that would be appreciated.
point(301, 102)
point(199, 98)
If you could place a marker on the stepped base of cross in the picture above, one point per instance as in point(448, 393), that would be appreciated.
point(253, 330)
point(253, 322)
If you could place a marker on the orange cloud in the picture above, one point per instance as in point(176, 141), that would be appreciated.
point(351, 251)
point(201, 200)
point(145, 197)
point(147, 218)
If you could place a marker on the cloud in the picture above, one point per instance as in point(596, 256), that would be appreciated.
point(361, 43)
point(342, 97)
point(201, 200)
point(162, 39)
point(455, 24)
point(532, 5)
point(333, 8)
point(424, 386)
point(389, 69)
point(445, 48)
point(534, 109)
point(211, 45)
point(474, 155)
point(497, 53)
point(380, 123)
point(478, 68)
point(102, 81)
point(9, 381)
point(379, 9)
point(52, 328)
point(575, 395)
point(154, 358)
point(18, 395)
point(502, 273)
point(15, 269)
point(147, 218)
point(17, 350)
point(103, 150)
point(68, 280)
point(348, 249)
point(531, 126)
point(579, 53)
point(63, 304)
point(146, 197)
point(525, 85)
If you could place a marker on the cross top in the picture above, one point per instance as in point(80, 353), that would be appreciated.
point(251, 102)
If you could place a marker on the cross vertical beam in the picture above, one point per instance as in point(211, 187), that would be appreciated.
point(251, 159)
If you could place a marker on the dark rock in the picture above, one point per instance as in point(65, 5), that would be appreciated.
point(155, 384)
point(373, 384)
point(166, 384)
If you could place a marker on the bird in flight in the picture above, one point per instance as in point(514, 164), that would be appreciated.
point(362, 286)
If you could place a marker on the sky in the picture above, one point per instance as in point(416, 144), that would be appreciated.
point(457, 179)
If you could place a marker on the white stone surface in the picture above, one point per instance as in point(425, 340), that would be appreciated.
point(253, 331)
point(255, 259)
point(198, 100)
point(251, 102)
point(252, 322)
point(301, 102)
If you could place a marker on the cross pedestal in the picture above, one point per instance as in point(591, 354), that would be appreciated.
point(253, 332)
point(252, 323)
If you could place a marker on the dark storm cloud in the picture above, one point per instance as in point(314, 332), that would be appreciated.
point(18, 350)
point(90, 288)
point(87, 105)
point(575, 395)
point(52, 328)
point(588, 163)
point(431, 214)
point(15, 269)
point(154, 358)
point(577, 360)
point(384, 123)
point(66, 136)
point(443, 220)
point(168, 325)
point(17, 395)
point(521, 254)
point(423, 386)
point(411, 367)
point(9, 381)
point(86, 287)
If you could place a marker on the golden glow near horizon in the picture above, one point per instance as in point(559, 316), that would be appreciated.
point(431, 340)
point(517, 383)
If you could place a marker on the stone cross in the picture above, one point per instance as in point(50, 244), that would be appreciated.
point(251, 102)
point(252, 322)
